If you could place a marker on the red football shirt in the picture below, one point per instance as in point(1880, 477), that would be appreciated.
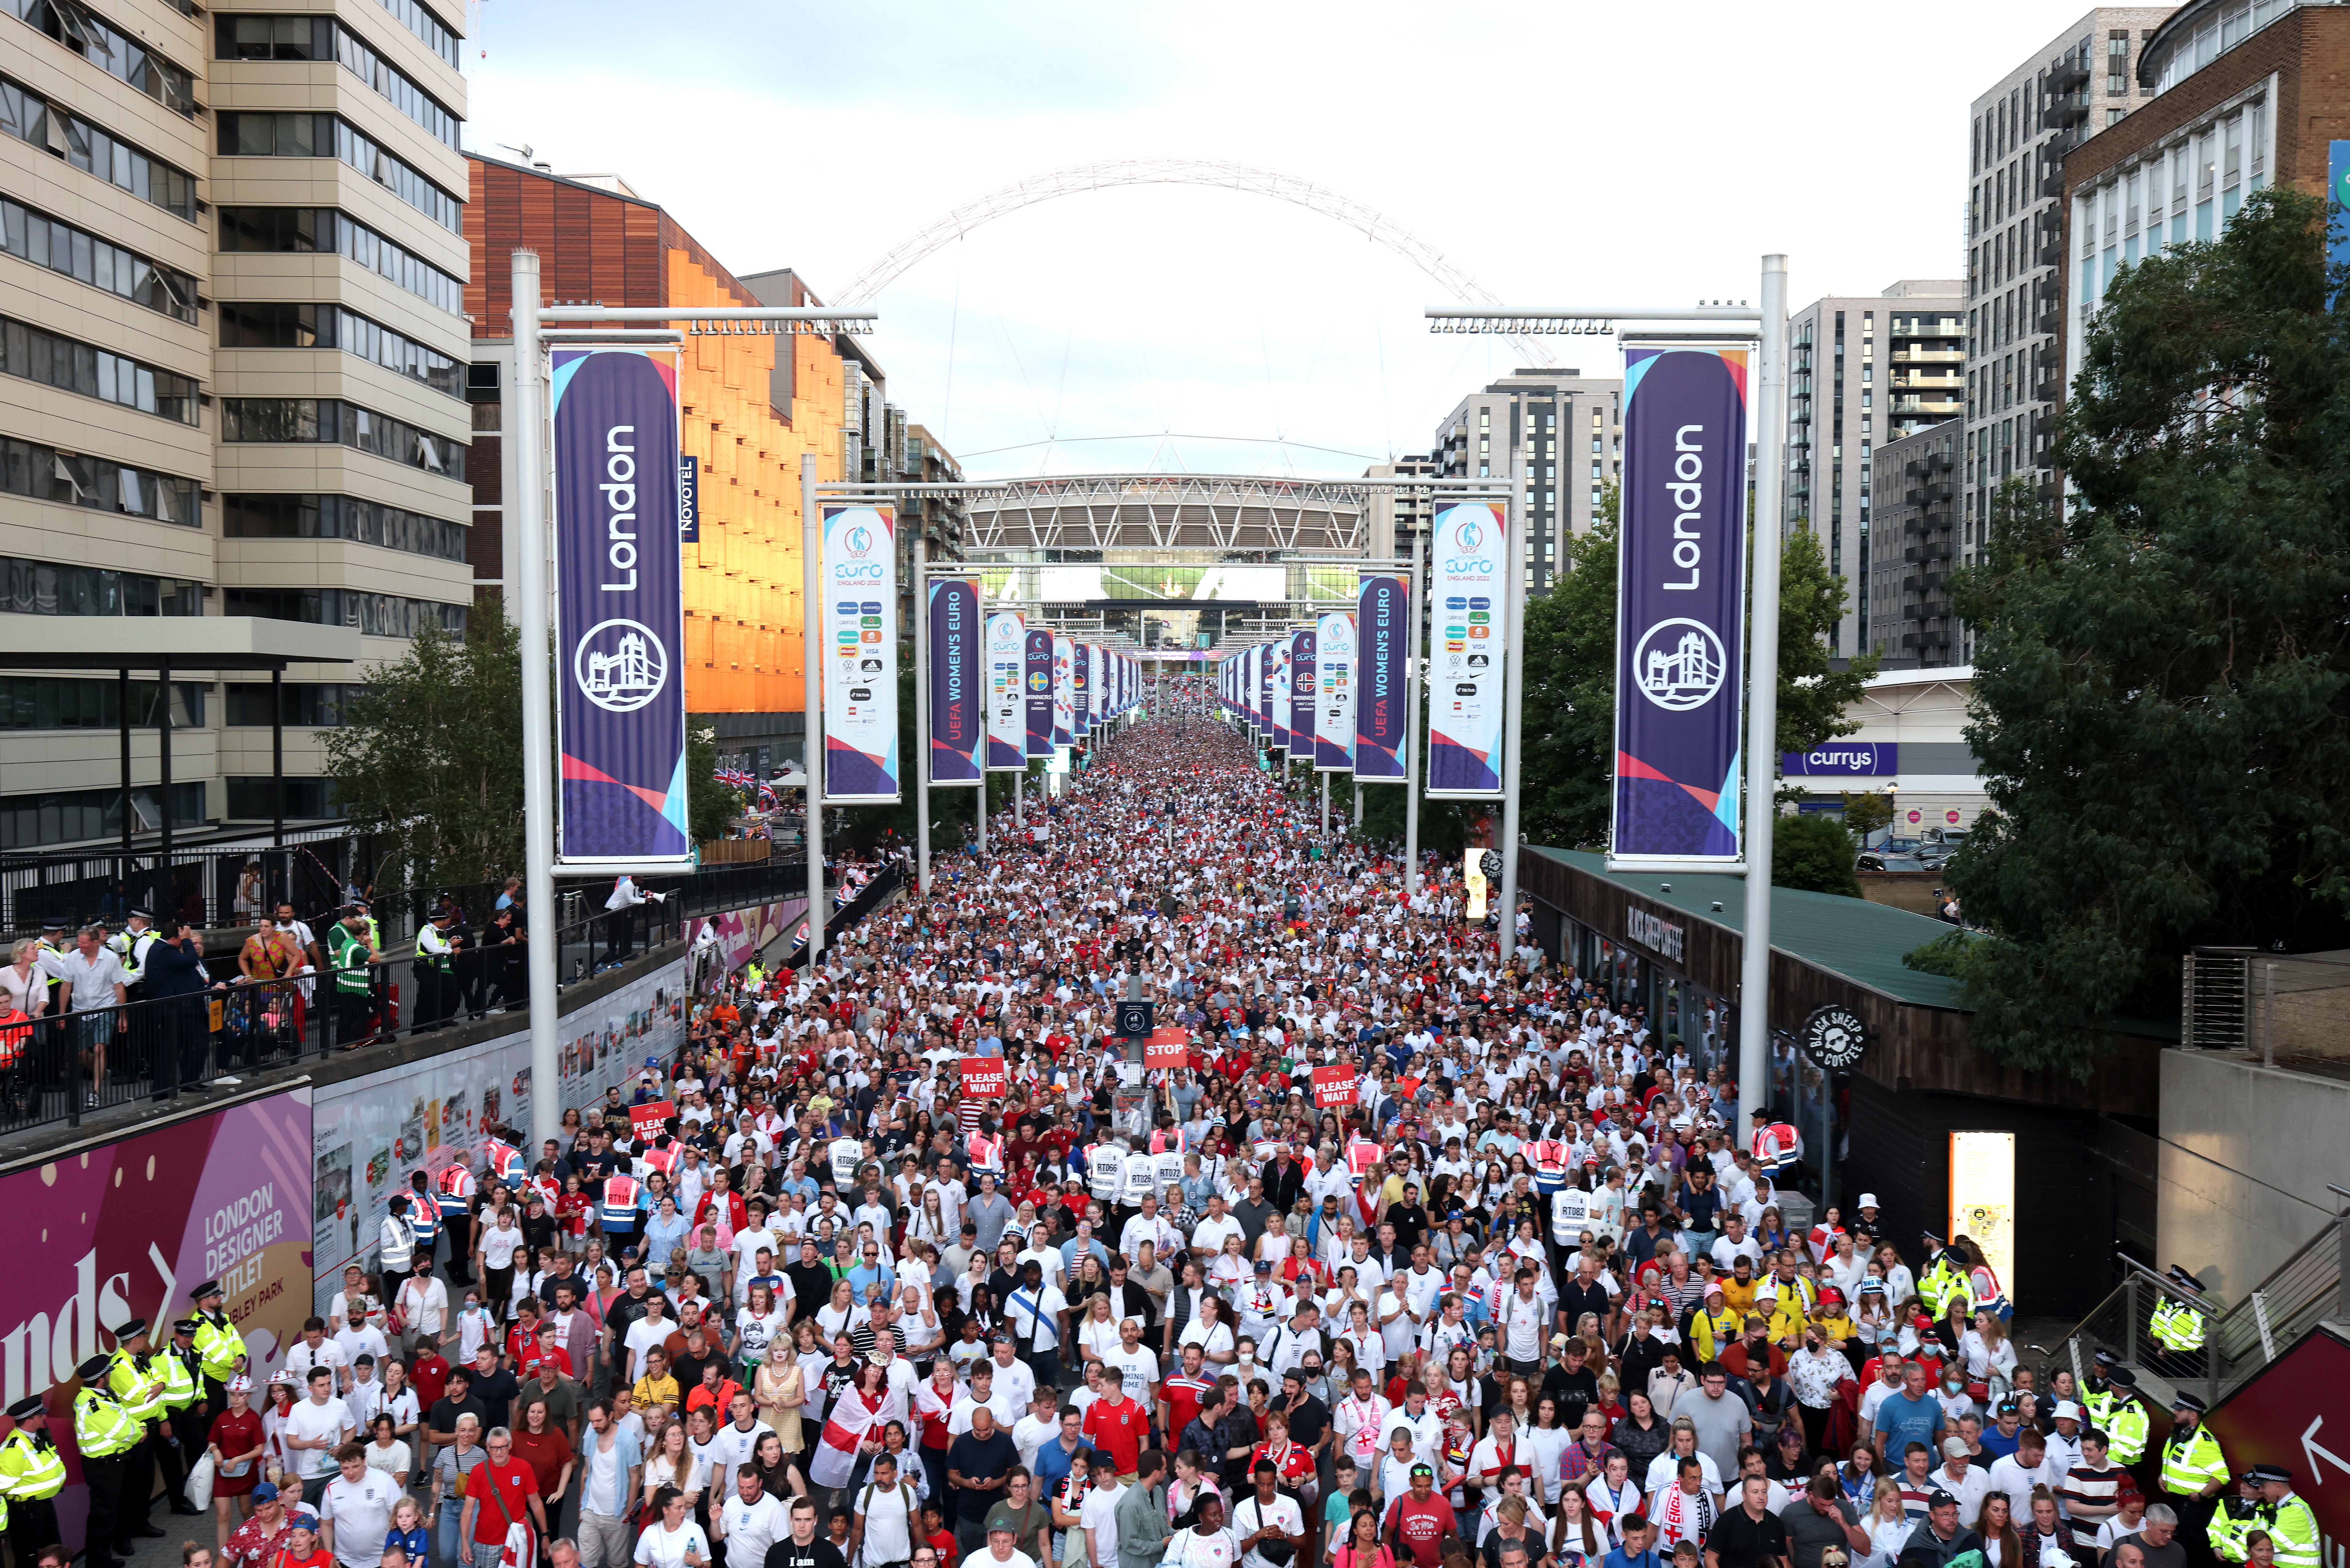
point(1422, 1527)
point(1115, 1427)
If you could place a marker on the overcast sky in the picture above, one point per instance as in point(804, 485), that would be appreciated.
point(1558, 154)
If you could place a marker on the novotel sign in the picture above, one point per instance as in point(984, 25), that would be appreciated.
point(1655, 932)
point(1844, 759)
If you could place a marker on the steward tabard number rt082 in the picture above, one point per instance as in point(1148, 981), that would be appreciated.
point(1835, 1037)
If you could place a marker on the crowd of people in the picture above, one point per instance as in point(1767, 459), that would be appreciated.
point(929, 1269)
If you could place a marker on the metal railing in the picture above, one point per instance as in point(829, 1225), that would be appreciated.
point(2214, 1002)
point(2241, 1338)
point(201, 882)
point(57, 1069)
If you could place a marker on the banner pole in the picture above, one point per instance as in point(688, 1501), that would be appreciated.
point(1513, 680)
point(529, 435)
point(1763, 702)
point(812, 694)
point(1412, 646)
point(981, 794)
point(922, 759)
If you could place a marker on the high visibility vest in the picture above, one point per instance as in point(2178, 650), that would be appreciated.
point(1942, 1285)
point(102, 1428)
point(180, 1390)
point(16, 1034)
point(347, 954)
point(424, 1217)
point(31, 1468)
point(506, 1161)
point(2191, 1464)
point(433, 947)
point(1552, 1160)
point(456, 1184)
point(2125, 1432)
point(1105, 1171)
point(2293, 1529)
point(618, 1209)
point(1364, 1157)
point(664, 1160)
point(139, 1389)
point(219, 1347)
point(1788, 1142)
point(2176, 1326)
point(986, 1153)
point(2229, 1525)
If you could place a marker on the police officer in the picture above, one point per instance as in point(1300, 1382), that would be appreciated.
point(436, 985)
point(220, 1348)
point(107, 1435)
point(2125, 1423)
point(55, 1061)
point(186, 1422)
point(2176, 1324)
point(2192, 1474)
point(32, 1473)
point(2233, 1520)
point(456, 1195)
point(129, 946)
point(2291, 1526)
point(2096, 1394)
point(348, 954)
point(137, 1384)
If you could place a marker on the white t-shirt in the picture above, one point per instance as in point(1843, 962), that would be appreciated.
point(1201, 1548)
point(1099, 1514)
point(753, 1527)
point(1138, 1371)
point(1282, 1514)
point(659, 1547)
point(888, 1519)
point(984, 1558)
point(499, 1245)
point(309, 1420)
point(360, 1512)
point(643, 1335)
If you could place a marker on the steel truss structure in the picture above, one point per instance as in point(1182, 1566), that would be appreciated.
point(1371, 224)
point(1217, 516)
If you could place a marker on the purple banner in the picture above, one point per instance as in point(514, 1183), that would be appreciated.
point(958, 727)
point(1263, 692)
point(1081, 691)
point(1681, 601)
point(1040, 693)
point(1383, 615)
point(619, 614)
point(1302, 690)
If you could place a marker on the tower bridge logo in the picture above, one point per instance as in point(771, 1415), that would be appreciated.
point(620, 666)
point(1678, 665)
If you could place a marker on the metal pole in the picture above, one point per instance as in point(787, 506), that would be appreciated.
point(1326, 804)
point(163, 794)
point(921, 754)
point(2268, 1015)
point(122, 716)
point(278, 757)
point(981, 811)
point(1412, 724)
point(812, 695)
point(542, 955)
point(1762, 698)
point(1019, 799)
point(1514, 677)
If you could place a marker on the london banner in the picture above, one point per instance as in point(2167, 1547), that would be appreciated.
point(957, 717)
point(1040, 692)
point(1680, 597)
point(1081, 690)
point(1305, 679)
point(1263, 693)
point(1007, 693)
point(859, 575)
point(1466, 634)
point(1334, 692)
point(1383, 617)
point(619, 612)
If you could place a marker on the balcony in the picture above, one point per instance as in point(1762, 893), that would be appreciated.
point(1934, 610)
point(2043, 423)
point(1936, 550)
point(2048, 389)
point(2052, 184)
point(1926, 355)
point(1930, 407)
point(2049, 357)
point(1925, 641)
point(2064, 113)
point(2071, 75)
point(2051, 253)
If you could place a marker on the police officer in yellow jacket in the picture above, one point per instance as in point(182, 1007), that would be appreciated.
point(186, 1420)
point(2291, 1526)
point(220, 1348)
point(2236, 1518)
point(136, 1385)
point(107, 1435)
point(32, 1473)
point(2125, 1424)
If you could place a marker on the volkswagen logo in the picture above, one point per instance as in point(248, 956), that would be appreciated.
point(620, 666)
point(1679, 664)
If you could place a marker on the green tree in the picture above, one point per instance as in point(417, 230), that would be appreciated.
point(710, 807)
point(2162, 696)
point(1813, 692)
point(426, 759)
point(1812, 851)
point(1865, 814)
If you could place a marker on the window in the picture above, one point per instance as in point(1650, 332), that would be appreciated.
point(437, 36)
point(325, 229)
point(375, 615)
point(28, 117)
point(256, 798)
point(45, 474)
point(331, 419)
point(341, 517)
point(42, 240)
point(250, 325)
point(44, 587)
point(47, 703)
point(324, 39)
point(73, 23)
point(55, 362)
point(308, 705)
point(66, 816)
point(305, 135)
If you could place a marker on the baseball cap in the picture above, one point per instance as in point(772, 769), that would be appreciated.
point(264, 1492)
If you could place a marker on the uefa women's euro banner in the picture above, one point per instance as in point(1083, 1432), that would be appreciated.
point(958, 719)
point(1466, 634)
point(130, 1229)
point(1383, 720)
point(620, 610)
point(860, 576)
point(1680, 610)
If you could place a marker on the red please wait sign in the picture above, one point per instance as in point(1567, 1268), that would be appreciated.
point(982, 1076)
point(645, 1121)
point(1334, 1085)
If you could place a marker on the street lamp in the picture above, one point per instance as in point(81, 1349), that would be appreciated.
point(1712, 319)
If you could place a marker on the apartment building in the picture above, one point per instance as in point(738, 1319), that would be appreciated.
point(1839, 410)
point(233, 353)
point(1397, 521)
point(1910, 623)
point(1565, 431)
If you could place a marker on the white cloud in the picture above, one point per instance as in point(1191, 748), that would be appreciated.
point(1561, 154)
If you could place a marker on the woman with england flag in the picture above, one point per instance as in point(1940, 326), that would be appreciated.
point(853, 1430)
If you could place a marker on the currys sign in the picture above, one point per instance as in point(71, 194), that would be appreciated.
point(1680, 610)
point(620, 611)
point(1845, 759)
